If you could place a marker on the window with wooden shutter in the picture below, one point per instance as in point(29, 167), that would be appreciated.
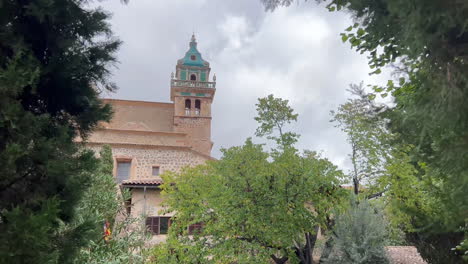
point(158, 225)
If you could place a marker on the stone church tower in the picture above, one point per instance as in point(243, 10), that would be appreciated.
point(150, 138)
point(192, 95)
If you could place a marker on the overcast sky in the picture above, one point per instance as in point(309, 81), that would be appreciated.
point(295, 53)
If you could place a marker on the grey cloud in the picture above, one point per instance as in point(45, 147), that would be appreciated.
point(295, 53)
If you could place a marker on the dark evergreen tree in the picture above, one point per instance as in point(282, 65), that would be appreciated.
point(54, 59)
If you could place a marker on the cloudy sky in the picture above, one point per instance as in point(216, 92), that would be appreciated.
point(295, 53)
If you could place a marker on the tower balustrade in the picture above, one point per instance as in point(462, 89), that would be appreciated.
point(194, 84)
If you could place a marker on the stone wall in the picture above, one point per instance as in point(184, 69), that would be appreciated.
point(198, 131)
point(144, 158)
point(149, 202)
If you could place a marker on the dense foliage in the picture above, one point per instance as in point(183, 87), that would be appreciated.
point(54, 59)
point(426, 43)
point(103, 202)
point(254, 206)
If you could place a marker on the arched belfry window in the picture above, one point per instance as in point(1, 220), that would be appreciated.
point(197, 107)
point(188, 105)
point(193, 77)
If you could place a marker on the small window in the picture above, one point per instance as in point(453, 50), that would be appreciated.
point(158, 225)
point(193, 57)
point(155, 171)
point(193, 77)
point(188, 105)
point(123, 170)
point(197, 107)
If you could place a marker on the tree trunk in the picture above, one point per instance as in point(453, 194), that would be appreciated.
point(277, 260)
point(305, 254)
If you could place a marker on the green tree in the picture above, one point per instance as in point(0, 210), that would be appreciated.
point(425, 42)
point(360, 235)
point(252, 209)
point(383, 163)
point(370, 151)
point(54, 60)
point(255, 206)
point(103, 201)
point(274, 114)
point(414, 208)
point(368, 137)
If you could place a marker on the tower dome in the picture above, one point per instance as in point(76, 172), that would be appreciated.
point(192, 67)
point(193, 57)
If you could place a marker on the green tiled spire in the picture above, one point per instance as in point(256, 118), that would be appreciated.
point(193, 56)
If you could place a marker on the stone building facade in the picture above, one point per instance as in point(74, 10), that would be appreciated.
point(149, 138)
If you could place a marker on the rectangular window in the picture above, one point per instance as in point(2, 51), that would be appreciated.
point(155, 171)
point(123, 170)
point(152, 224)
point(164, 225)
point(158, 225)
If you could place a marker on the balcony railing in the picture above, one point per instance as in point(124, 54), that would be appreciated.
point(195, 84)
point(189, 112)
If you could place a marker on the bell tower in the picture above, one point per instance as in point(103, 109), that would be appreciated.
point(192, 94)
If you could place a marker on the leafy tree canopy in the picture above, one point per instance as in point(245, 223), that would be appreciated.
point(425, 41)
point(369, 140)
point(251, 209)
point(254, 206)
point(273, 115)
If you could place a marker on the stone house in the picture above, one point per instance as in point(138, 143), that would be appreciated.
point(148, 138)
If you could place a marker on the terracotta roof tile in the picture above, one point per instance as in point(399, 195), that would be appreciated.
point(143, 181)
point(404, 255)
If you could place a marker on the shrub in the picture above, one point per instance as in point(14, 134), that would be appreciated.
point(359, 235)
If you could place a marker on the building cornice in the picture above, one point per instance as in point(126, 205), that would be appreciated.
point(147, 146)
point(136, 102)
point(140, 132)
